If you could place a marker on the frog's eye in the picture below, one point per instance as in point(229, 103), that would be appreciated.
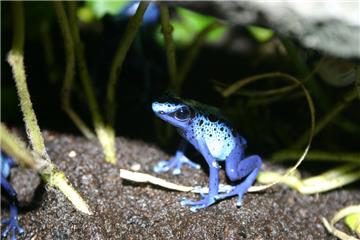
point(182, 114)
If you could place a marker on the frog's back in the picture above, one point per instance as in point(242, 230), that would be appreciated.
point(217, 134)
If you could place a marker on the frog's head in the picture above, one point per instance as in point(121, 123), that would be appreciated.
point(176, 113)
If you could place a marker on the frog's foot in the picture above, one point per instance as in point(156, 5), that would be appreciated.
point(12, 227)
point(237, 191)
point(195, 205)
point(175, 163)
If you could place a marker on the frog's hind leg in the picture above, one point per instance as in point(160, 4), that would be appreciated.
point(247, 169)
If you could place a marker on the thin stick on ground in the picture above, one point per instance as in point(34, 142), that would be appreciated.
point(147, 178)
point(69, 72)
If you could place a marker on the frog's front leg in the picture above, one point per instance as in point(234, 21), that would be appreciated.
point(238, 168)
point(213, 182)
point(11, 225)
point(176, 162)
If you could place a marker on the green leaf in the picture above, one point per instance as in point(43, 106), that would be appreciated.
point(261, 34)
point(96, 9)
point(187, 25)
point(353, 222)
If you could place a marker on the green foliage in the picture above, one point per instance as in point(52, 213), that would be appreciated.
point(353, 221)
point(187, 25)
point(261, 34)
point(93, 10)
point(329, 180)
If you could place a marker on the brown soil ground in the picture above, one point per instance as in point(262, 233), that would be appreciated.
point(124, 210)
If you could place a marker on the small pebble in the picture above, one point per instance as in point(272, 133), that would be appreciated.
point(135, 167)
point(72, 154)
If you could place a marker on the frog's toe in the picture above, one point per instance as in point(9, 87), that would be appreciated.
point(219, 196)
point(230, 194)
point(5, 232)
point(224, 188)
point(239, 202)
point(161, 166)
point(195, 205)
point(204, 204)
point(223, 196)
point(193, 165)
point(13, 226)
point(187, 202)
point(181, 160)
point(175, 163)
point(176, 171)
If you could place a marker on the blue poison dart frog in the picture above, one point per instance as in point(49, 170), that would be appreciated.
point(11, 225)
point(211, 135)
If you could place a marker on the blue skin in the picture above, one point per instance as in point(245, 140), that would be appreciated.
point(11, 225)
point(151, 15)
point(213, 137)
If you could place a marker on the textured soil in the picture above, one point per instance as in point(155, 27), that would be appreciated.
point(124, 210)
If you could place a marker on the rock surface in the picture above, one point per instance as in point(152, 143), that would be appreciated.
point(124, 210)
point(26, 183)
point(332, 27)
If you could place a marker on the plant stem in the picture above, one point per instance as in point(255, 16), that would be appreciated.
point(69, 72)
point(18, 27)
point(105, 134)
point(169, 47)
point(12, 146)
point(16, 60)
point(281, 90)
point(122, 49)
point(241, 83)
point(357, 83)
point(318, 156)
point(15, 148)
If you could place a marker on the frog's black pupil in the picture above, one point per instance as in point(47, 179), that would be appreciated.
point(182, 114)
